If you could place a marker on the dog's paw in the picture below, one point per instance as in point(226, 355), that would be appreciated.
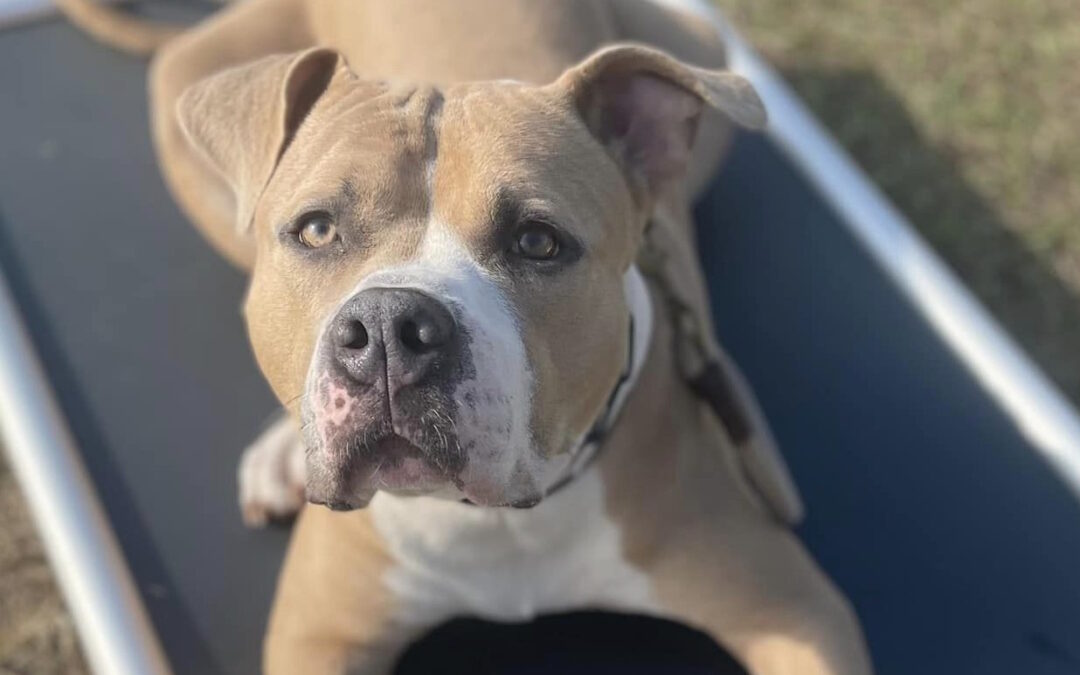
point(271, 475)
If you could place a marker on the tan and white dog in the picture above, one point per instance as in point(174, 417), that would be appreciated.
point(441, 205)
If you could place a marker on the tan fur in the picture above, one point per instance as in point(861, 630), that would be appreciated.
point(728, 567)
point(327, 616)
point(249, 148)
point(116, 29)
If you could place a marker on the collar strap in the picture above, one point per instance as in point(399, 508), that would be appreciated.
point(700, 368)
point(639, 337)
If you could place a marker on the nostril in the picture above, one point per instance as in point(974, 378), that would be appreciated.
point(428, 334)
point(352, 335)
point(412, 336)
point(420, 336)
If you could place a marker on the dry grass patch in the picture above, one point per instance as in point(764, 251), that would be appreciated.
point(965, 113)
point(36, 633)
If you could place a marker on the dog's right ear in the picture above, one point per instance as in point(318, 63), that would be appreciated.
point(242, 119)
point(643, 105)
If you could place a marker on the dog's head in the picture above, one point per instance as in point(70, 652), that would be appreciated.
point(439, 282)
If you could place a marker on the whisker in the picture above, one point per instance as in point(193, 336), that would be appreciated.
point(376, 473)
point(294, 399)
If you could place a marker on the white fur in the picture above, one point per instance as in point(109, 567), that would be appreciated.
point(271, 473)
point(453, 559)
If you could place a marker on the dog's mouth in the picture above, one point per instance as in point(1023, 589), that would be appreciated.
point(397, 465)
point(349, 477)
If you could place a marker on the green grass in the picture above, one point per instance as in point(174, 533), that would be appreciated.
point(966, 113)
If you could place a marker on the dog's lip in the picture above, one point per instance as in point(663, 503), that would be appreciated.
point(397, 453)
point(338, 504)
point(392, 463)
point(397, 447)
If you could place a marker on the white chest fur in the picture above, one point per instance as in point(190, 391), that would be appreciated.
point(454, 559)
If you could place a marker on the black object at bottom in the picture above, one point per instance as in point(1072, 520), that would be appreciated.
point(580, 643)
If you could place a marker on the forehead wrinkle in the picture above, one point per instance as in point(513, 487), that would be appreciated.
point(432, 123)
point(385, 143)
point(511, 150)
point(378, 114)
point(348, 189)
point(467, 167)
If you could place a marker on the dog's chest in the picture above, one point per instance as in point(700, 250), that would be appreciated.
point(453, 559)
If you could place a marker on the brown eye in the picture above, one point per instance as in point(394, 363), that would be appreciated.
point(537, 241)
point(316, 230)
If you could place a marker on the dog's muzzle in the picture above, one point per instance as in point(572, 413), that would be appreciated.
point(381, 408)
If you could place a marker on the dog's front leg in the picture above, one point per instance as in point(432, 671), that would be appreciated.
point(333, 613)
point(271, 474)
point(755, 589)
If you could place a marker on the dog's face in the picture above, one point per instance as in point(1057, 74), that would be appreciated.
point(438, 288)
point(439, 279)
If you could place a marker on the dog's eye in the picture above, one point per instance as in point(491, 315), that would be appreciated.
point(536, 241)
point(315, 230)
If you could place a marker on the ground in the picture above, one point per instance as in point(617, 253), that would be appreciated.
point(36, 634)
point(963, 111)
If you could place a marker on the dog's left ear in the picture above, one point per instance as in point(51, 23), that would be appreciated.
point(644, 106)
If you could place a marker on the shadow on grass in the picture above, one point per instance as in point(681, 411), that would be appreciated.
point(924, 180)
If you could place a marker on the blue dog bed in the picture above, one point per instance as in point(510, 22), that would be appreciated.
point(939, 468)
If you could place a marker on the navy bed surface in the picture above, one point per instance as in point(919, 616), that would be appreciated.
point(958, 546)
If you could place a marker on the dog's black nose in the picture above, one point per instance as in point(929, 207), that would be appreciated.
point(402, 334)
